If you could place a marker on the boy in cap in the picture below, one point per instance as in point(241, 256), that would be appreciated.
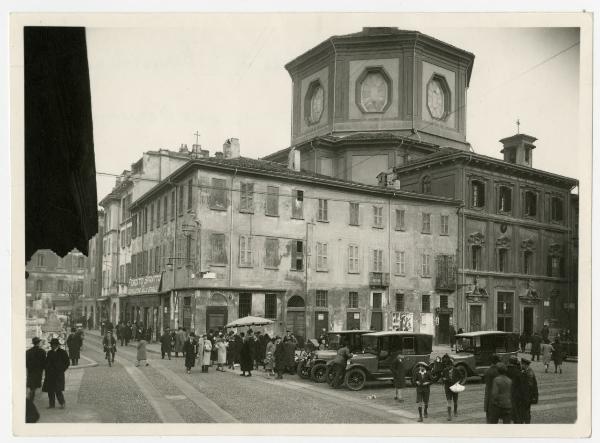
point(422, 380)
point(450, 376)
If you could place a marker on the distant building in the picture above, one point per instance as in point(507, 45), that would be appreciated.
point(92, 283)
point(55, 283)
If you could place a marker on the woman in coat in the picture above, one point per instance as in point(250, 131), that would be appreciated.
point(189, 350)
point(247, 356)
point(206, 355)
point(557, 356)
point(546, 350)
point(221, 346)
point(141, 352)
point(270, 357)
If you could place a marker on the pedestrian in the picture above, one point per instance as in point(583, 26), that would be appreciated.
point(450, 376)
point(399, 373)
point(165, 344)
point(31, 413)
point(422, 381)
point(108, 326)
point(522, 342)
point(230, 349)
point(179, 341)
point(110, 346)
point(189, 351)
point(557, 356)
point(221, 345)
point(339, 363)
point(35, 360)
point(452, 334)
point(213, 353)
point(290, 355)
point(545, 333)
point(536, 341)
point(141, 352)
point(246, 355)
point(81, 336)
point(74, 345)
point(206, 354)
point(488, 377)
point(500, 397)
point(519, 394)
point(257, 350)
point(118, 332)
point(532, 390)
point(279, 357)
point(57, 362)
point(270, 356)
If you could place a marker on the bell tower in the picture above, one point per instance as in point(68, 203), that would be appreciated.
point(518, 149)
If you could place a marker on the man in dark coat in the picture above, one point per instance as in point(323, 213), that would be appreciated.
point(237, 347)
point(35, 360)
point(165, 344)
point(108, 326)
point(488, 377)
point(399, 373)
point(519, 390)
point(545, 332)
point(290, 355)
point(500, 397)
point(57, 362)
point(536, 344)
point(532, 390)
point(74, 343)
point(452, 334)
point(279, 358)
point(189, 351)
point(246, 356)
point(127, 333)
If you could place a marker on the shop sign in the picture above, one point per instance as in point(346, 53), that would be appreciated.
point(149, 284)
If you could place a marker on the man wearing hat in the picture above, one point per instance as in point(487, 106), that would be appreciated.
point(500, 397)
point(532, 389)
point(35, 358)
point(450, 376)
point(519, 390)
point(488, 377)
point(422, 381)
point(110, 345)
point(57, 362)
point(74, 343)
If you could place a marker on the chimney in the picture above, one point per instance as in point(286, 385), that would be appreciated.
point(218, 154)
point(518, 149)
point(231, 148)
point(183, 149)
point(294, 160)
point(204, 153)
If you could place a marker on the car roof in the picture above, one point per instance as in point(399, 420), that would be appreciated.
point(352, 331)
point(479, 333)
point(388, 333)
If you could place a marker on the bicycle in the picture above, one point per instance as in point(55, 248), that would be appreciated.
point(110, 355)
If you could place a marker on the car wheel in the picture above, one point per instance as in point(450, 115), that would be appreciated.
point(463, 374)
point(355, 379)
point(302, 370)
point(318, 372)
point(329, 374)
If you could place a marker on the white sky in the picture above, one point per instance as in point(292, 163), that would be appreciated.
point(224, 76)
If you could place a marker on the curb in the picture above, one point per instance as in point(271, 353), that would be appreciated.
point(93, 364)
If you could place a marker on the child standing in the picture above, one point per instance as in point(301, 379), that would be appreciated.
point(422, 380)
point(399, 373)
point(450, 376)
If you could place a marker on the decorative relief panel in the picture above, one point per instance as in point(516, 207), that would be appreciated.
point(528, 245)
point(476, 238)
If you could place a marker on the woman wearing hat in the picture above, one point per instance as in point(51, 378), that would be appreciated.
point(450, 376)
point(57, 362)
point(189, 351)
point(221, 346)
point(422, 380)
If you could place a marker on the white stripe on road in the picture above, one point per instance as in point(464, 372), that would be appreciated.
point(165, 411)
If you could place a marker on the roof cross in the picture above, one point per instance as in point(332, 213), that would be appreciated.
point(518, 125)
point(197, 134)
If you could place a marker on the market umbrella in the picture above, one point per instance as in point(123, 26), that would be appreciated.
point(249, 321)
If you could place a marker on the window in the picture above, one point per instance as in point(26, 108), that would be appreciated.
point(145, 214)
point(377, 260)
point(530, 203)
point(80, 262)
point(150, 262)
point(165, 209)
point(400, 264)
point(399, 302)
point(152, 216)
point(425, 265)
point(217, 247)
point(173, 204)
point(180, 197)
point(157, 256)
point(426, 185)
point(60, 285)
point(158, 213)
point(272, 253)
point(190, 196)
point(39, 285)
point(134, 226)
point(353, 259)
point(504, 199)
point(321, 256)
point(353, 300)
point(298, 204)
point(297, 255)
point(444, 301)
point(477, 194)
point(272, 207)
point(400, 219)
point(354, 208)
point(40, 260)
point(378, 216)
point(245, 250)
point(556, 209)
point(247, 197)
point(425, 303)
point(502, 260)
point(128, 235)
point(444, 224)
point(122, 274)
point(512, 156)
point(527, 155)
point(245, 305)
point(555, 266)
point(133, 265)
point(376, 300)
point(476, 257)
point(127, 272)
point(322, 214)
point(270, 305)
point(218, 194)
point(528, 262)
point(321, 299)
point(504, 308)
point(426, 228)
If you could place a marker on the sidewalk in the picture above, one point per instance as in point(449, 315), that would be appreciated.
point(153, 348)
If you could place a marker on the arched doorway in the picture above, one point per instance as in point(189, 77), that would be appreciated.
point(216, 311)
point(296, 317)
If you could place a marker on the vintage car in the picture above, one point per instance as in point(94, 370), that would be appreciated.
point(315, 365)
point(379, 351)
point(474, 350)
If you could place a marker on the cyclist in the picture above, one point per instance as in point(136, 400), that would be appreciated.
point(110, 346)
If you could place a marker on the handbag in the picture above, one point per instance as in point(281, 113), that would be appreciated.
point(457, 387)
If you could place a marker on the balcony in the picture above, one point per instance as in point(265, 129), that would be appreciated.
point(379, 279)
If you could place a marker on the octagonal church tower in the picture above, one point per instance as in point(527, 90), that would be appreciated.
point(366, 102)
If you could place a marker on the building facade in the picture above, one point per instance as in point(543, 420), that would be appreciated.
point(90, 301)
